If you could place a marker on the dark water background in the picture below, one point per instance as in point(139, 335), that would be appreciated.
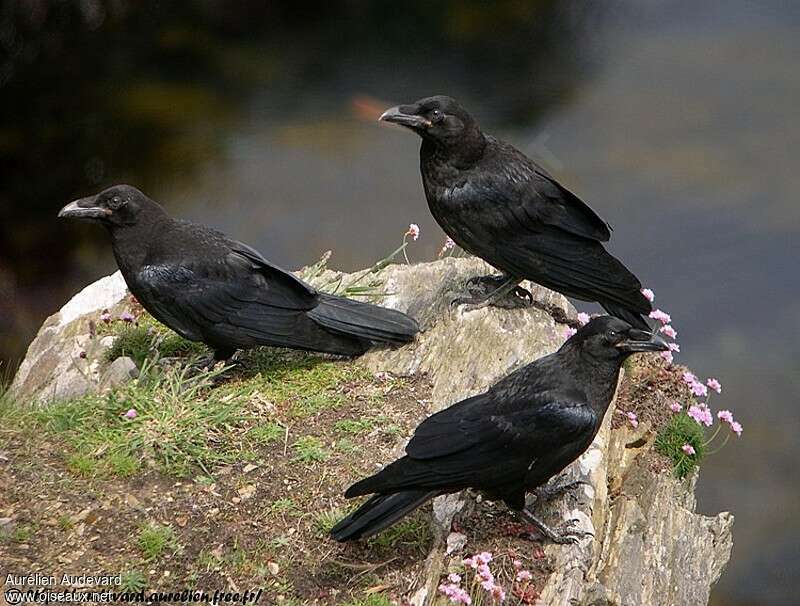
point(677, 121)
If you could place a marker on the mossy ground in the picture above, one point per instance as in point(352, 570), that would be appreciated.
point(228, 478)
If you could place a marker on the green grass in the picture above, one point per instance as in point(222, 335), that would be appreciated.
point(155, 540)
point(284, 506)
point(181, 424)
point(65, 523)
point(327, 519)
point(414, 530)
point(132, 581)
point(680, 430)
point(373, 599)
point(354, 426)
point(309, 449)
point(148, 339)
point(266, 433)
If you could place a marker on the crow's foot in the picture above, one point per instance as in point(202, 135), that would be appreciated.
point(563, 535)
point(555, 489)
point(496, 290)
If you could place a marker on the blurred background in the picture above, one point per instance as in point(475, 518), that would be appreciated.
point(676, 120)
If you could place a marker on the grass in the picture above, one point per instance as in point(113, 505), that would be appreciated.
point(148, 339)
point(132, 581)
point(327, 519)
point(413, 530)
point(372, 599)
point(309, 449)
point(181, 424)
point(155, 540)
point(682, 429)
point(266, 433)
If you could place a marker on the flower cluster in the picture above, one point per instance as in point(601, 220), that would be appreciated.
point(481, 582)
point(448, 245)
point(413, 231)
point(666, 327)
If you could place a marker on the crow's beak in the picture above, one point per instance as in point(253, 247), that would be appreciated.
point(83, 209)
point(641, 340)
point(403, 115)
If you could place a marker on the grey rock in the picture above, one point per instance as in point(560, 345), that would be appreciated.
point(53, 368)
point(120, 371)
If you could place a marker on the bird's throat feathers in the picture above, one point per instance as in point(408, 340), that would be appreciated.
point(458, 154)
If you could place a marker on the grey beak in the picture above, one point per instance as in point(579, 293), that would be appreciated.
point(396, 115)
point(641, 340)
point(83, 209)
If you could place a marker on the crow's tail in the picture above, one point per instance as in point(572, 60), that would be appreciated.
point(363, 320)
point(378, 513)
point(631, 317)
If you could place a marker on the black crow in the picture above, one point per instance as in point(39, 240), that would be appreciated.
point(499, 205)
point(209, 288)
point(511, 439)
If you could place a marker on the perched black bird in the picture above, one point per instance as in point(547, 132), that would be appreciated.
point(511, 439)
point(209, 288)
point(499, 205)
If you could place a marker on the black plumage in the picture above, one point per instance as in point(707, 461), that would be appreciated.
point(517, 435)
point(209, 288)
point(499, 205)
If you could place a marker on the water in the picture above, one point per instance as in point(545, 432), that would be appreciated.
point(676, 122)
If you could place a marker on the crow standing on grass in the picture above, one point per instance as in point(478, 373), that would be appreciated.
point(511, 439)
point(499, 205)
point(209, 288)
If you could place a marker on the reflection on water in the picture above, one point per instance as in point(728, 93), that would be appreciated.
point(674, 122)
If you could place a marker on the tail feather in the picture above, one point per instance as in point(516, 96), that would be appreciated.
point(363, 320)
point(378, 513)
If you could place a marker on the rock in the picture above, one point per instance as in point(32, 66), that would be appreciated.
point(120, 371)
point(53, 368)
point(650, 547)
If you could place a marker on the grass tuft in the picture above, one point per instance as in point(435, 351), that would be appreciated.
point(309, 449)
point(149, 339)
point(327, 519)
point(133, 581)
point(680, 430)
point(414, 530)
point(155, 539)
point(372, 599)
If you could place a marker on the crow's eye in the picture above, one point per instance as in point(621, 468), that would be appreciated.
point(437, 115)
point(612, 334)
point(115, 203)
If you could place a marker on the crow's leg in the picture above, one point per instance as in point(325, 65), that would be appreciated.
point(555, 489)
point(498, 287)
point(563, 535)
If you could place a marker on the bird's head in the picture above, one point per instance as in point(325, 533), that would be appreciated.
point(610, 338)
point(116, 206)
point(440, 119)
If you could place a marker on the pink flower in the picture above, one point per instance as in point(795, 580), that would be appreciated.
point(471, 562)
point(524, 575)
point(455, 594)
point(648, 294)
point(485, 573)
point(454, 578)
point(698, 389)
point(688, 449)
point(105, 317)
point(413, 231)
point(736, 428)
point(667, 355)
point(126, 316)
point(669, 331)
point(674, 347)
point(569, 332)
point(661, 316)
point(517, 564)
point(131, 414)
point(715, 385)
point(632, 419)
point(583, 318)
point(701, 414)
point(726, 416)
point(689, 378)
point(483, 557)
point(675, 407)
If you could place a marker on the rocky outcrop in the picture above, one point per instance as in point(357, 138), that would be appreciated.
point(650, 547)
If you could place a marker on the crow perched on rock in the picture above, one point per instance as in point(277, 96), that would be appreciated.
point(511, 439)
point(209, 288)
point(499, 205)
